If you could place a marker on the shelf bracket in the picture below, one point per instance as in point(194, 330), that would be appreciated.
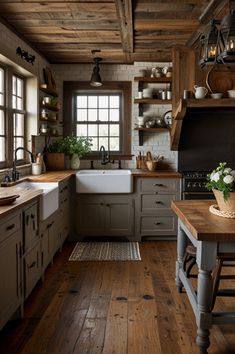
point(141, 138)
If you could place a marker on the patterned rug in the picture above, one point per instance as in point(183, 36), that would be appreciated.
point(106, 251)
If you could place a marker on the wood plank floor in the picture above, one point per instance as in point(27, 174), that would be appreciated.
point(113, 308)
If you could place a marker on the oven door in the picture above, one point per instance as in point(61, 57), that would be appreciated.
point(197, 195)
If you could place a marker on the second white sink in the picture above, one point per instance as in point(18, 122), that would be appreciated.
point(50, 196)
point(104, 181)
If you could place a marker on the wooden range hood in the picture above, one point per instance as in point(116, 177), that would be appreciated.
point(186, 74)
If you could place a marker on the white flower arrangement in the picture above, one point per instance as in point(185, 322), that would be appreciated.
point(222, 179)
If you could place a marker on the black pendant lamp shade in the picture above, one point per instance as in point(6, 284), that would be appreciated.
point(227, 39)
point(95, 77)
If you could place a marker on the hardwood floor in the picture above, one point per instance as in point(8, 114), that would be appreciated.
point(113, 308)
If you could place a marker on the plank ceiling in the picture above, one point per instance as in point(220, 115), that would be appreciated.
point(119, 31)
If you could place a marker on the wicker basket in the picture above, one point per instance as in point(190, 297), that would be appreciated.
point(152, 165)
point(225, 205)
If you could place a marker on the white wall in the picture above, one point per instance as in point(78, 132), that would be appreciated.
point(158, 143)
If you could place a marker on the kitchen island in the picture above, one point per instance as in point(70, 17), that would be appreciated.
point(211, 235)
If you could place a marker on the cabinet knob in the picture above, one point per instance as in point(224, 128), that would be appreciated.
point(10, 227)
point(108, 205)
point(158, 202)
point(157, 223)
point(158, 185)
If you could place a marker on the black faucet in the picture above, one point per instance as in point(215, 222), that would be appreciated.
point(15, 173)
point(104, 156)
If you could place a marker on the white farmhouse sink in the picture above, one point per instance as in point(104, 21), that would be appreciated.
point(104, 181)
point(50, 196)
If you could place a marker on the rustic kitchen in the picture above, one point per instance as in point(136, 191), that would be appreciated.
point(117, 173)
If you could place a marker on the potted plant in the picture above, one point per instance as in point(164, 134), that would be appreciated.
point(222, 182)
point(73, 147)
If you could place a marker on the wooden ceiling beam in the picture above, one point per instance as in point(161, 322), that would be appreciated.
point(72, 38)
point(165, 24)
point(124, 14)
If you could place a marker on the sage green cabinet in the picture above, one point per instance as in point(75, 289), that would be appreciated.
point(105, 215)
point(64, 214)
point(153, 212)
point(10, 266)
point(32, 269)
point(48, 236)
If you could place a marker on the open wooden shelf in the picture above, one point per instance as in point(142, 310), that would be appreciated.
point(149, 130)
point(48, 91)
point(151, 101)
point(53, 121)
point(153, 79)
point(50, 107)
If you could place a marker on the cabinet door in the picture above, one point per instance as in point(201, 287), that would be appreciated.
point(32, 269)
point(90, 218)
point(31, 234)
point(119, 216)
point(48, 237)
point(10, 293)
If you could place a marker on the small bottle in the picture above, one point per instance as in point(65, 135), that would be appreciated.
point(163, 95)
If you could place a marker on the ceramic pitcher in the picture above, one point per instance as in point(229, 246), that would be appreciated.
point(200, 92)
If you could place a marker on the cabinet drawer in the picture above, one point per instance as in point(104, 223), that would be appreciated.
point(151, 225)
point(9, 226)
point(158, 185)
point(153, 202)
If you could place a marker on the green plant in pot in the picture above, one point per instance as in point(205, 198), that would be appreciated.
point(222, 182)
point(72, 146)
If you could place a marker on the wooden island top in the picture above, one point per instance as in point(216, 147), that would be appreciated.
point(203, 225)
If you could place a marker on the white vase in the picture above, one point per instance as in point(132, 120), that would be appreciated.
point(75, 162)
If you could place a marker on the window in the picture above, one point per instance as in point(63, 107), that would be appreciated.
point(103, 114)
point(18, 114)
point(2, 117)
point(98, 116)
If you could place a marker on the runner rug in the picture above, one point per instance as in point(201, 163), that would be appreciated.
point(106, 251)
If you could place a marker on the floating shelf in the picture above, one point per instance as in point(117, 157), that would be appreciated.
point(153, 79)
point(48, 120)
point(50, 107)
point(48, 91)
point(149, 130)
point(151, 101)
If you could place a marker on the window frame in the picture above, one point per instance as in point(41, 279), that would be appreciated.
point(3, 109)
point(124, 87)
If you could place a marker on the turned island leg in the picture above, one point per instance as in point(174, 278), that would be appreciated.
point(181, 248)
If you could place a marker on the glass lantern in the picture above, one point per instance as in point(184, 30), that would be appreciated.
point(208, 40)
point(227, 39)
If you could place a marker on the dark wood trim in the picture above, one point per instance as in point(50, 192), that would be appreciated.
point(71, 87)
point(124, 13)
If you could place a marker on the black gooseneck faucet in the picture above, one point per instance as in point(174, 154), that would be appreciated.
point(104, 156)
point(15, 173)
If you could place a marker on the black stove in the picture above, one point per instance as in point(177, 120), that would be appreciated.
point(193, 185)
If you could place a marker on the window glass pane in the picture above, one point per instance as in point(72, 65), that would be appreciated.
point(2, 123)
point(82, 101)
point(1, 99)
point(14, 102)
point(81, 115)
point(19, 124)
point(92, 101)
point(19, 103)
point(103, 115)
point(19, 142)
point(114, 144)
point(2, 149)
point(14, 85)
point(92, 130)
point(92, 114)
point(1, 80)
point(104, 142)
point(104, 130)
point(114, 130)
point(114, 101)
point(19, 87)
point(82, 130)
point(94, 144)
point(103, 101)
point(114, 115)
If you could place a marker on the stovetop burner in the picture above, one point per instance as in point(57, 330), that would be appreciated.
point(195, 174)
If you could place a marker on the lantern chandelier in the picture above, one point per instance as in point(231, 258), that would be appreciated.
point(218, 42)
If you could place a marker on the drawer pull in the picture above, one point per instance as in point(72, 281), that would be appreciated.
point(158, 202)
point(10, 227)
point(32, 216)
point(108, 205)
point(32, 265)
point(158, 185)
point(157, 223)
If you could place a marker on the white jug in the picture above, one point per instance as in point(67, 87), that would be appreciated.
point(200, 92)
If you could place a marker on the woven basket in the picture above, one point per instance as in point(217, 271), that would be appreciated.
point(225, 205)
point(152, 165)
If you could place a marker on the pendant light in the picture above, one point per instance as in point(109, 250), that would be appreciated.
point(227, 39)
point(95, 77)
point(209, 45)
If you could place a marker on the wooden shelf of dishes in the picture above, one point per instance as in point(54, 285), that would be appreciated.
point(141, 131)
point(49, 108)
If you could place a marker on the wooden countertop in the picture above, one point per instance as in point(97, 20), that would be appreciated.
point(26, 196)
point(53, 176)
point(158, 173)
point(202, 224)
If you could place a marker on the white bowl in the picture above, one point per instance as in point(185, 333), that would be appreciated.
point(216, 95)
point(231, 93)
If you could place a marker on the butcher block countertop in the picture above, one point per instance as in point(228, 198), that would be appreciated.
point(158, 173)
point(53, 176)
point(25, 196)
point(202, 224)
